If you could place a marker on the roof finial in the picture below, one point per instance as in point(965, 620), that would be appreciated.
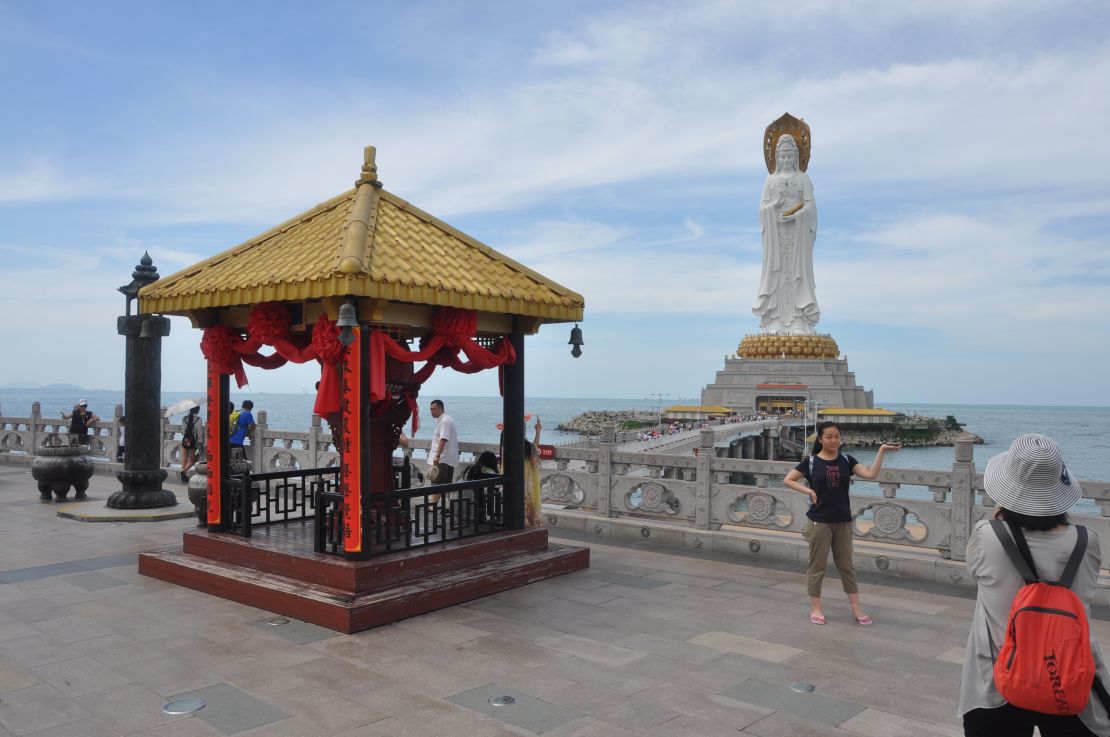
point(369, 168)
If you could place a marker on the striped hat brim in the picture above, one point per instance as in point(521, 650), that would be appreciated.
point(1031, 478)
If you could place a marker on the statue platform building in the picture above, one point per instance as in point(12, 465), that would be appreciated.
point(788, 363)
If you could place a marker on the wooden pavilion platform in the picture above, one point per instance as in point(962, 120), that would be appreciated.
point(276, 570)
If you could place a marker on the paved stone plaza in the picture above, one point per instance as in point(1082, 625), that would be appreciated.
point(648, 641)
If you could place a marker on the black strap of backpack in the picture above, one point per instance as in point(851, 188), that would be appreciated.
point(1076, 558)
point(1017, 551)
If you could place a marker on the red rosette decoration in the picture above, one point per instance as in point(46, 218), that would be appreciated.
point(269, 322)
point(455, 326)
point(325, 341)
point(218, 345)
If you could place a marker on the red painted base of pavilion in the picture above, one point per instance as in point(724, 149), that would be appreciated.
point(273, 571)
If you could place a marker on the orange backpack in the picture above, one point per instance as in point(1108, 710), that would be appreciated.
point(1045, 664)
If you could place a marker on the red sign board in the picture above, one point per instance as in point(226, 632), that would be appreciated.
point(547, 452)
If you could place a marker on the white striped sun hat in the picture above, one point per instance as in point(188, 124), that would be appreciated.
point(1031, 478)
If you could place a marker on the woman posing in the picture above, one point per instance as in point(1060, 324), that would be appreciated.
point(829, 523)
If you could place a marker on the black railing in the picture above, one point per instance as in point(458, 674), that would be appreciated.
point(414, 518)
point(280, 496)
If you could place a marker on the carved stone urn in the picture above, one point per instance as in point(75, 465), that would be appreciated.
point(57, 468)
point(198, 492)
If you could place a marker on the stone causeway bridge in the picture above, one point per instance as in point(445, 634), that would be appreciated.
point(715, 489)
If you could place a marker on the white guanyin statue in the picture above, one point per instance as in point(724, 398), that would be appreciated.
point(787, 302)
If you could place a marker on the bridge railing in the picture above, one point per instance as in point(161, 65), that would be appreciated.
point(923, 511)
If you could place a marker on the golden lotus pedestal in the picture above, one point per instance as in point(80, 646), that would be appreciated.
point(788, 346)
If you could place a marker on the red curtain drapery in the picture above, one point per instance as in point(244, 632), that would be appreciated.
point(453, 332)
point(269, 324)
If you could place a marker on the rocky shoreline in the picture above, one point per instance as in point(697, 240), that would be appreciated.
point(589, 423)
point(875, 438)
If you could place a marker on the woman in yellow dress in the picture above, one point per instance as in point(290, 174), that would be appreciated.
point(532, 517)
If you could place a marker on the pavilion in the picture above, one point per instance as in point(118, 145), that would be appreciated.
point(365, 284)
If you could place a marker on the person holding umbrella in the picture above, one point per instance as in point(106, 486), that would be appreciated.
point(190, 441)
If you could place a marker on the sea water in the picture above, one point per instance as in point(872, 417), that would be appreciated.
point(1082, 432)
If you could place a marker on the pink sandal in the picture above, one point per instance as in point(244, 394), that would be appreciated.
point(817, 618)
point(865, 620)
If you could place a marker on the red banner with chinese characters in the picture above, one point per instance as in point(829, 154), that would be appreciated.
point(216, 415)
point(351, 387)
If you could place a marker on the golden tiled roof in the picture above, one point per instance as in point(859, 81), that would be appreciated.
point(369, 243)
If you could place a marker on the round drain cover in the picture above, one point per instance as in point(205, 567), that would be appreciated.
point(183, 706)
point(802, 687)
point(502, 700)
point(277, 621)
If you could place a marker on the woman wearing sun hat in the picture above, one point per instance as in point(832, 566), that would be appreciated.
point(1033, 491)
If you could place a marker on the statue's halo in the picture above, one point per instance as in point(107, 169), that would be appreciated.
point(795, 127)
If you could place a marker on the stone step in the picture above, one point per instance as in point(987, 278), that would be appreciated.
point(287, 551)
point(347, 611)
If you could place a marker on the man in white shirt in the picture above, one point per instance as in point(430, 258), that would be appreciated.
point(445, 443)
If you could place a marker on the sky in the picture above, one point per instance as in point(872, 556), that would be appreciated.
point(960, 165)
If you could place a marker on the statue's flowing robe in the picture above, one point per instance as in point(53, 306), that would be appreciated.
point(770, 303)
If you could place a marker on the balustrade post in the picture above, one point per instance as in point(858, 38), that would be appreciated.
point(605, 468)
point(258, 442)
point(314, 430)
point(117, 413)
point(36, 418)
point(703, 492)
point(963, 499)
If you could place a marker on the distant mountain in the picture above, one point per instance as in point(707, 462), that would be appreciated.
point(36, 385)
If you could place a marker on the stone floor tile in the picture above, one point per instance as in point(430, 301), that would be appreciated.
point(325, 710)
point(36, 650)
point(592, 650)
point(89, 727)
point(231, 710)
point(188, 727)
point(590, 727)
point(165, 676)
point(517, 650)
point(954, 655)
point(14, 677)
point(668, 648)
point(79, 676)
point(71, 628)
point(127, 709)
point(108, 561)
point(35, 573)
point(875, 723)
point(690, 702)
point(115, 650)
point(690, 726)
point(532, 714)
point(749, 646)
point(29, 608)
point(777, 697)
point(623, 579)
point(93, 581)
point(294, 630)
point(441, 631)
point(36, 708)
point(789, 725)
point(13, 629)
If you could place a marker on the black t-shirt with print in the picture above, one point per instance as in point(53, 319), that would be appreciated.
point(830, 479)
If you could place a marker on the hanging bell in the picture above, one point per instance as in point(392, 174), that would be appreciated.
point(147, 330)
point(576, 341)
point(347, 321)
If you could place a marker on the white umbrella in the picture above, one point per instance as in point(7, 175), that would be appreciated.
point(182, 405)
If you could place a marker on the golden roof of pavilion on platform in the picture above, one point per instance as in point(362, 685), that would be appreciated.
point(367, 243)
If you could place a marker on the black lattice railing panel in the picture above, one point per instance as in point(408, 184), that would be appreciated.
point(414, 518)
point(278, 496)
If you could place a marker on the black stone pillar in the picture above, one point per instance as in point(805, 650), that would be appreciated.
point(513, 454)
point(143, 474)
